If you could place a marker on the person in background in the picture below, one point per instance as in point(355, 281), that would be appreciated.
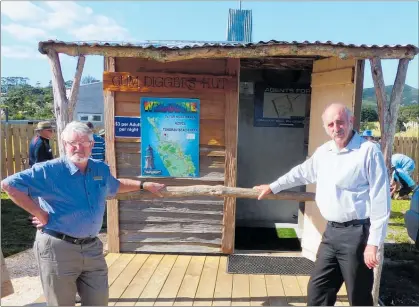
point(67, 196)
point(368, 135)
point(98, 151)
point(402, 167)
point(39, 148)
point(353, 195)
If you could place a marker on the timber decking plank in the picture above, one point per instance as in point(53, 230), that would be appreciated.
point(156, 282)
point(137, 285)
point(125, 278)
point(292, 290)
point(171, 287)
point(223, 285)
point(205, 291)
point(118, 266)
point(258, 293)
point(190, 282)
point(275, 290)
point(240, 295)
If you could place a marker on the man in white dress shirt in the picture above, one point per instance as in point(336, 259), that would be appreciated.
point(353, 195)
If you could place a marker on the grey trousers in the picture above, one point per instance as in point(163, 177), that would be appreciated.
point(67, 268)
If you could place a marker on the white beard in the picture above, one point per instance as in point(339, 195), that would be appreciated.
point(75, 159)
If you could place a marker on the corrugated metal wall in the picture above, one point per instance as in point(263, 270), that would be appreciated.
point(239, 26)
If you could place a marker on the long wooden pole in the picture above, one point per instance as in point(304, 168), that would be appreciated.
point(387, 113)
point(63, 107)
point(217, 191)
point(74, 93)
point(60, 98)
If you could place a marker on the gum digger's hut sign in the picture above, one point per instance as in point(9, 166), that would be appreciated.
point(161, 82)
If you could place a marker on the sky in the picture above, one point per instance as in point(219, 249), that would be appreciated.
point(25, 23)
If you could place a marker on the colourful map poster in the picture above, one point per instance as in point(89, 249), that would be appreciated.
point(170, 137)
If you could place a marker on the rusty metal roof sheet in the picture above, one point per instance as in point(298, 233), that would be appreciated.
point(174, 44)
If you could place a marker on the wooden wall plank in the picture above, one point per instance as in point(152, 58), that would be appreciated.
point(195, 66)
point(133, 147)
point(210, 107)
point(112, 205)
point(336, 77)
point(231, 128)
point(167, 248)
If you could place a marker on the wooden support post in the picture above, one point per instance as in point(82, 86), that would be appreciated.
point(60, 99)
point(74, 93)
point(112, 205)
point(388, 109)
point(387, 113)
point(63, 110)
point(231, 129)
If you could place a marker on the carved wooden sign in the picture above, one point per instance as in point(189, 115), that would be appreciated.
point(152, 82)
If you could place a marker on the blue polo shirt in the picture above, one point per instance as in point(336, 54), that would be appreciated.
point(75, 201)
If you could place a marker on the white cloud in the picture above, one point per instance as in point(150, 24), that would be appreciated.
point(65, 14)
point(24, 33)
point(21, 52)
point(22, 11)
point(102, 28)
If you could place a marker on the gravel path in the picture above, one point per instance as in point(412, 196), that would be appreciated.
point(24, 274)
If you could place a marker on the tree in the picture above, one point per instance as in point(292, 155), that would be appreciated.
point(89, 79)
point(68, 83)
point(9, 82)
point(368, 114)
point(29, 102)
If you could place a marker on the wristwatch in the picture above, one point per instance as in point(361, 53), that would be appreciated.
point(142, 185)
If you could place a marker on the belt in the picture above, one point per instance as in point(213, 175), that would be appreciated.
point(67, 238)
point(349, 223)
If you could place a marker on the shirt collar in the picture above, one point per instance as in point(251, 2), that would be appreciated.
point(354, 143)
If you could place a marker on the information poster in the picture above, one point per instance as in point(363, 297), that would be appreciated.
point(127, 126)
point(170, 137)
point(281, 107)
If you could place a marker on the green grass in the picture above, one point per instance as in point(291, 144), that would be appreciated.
point(17, 233)
point(398, 244)
point(397, 232)
point(286, 233)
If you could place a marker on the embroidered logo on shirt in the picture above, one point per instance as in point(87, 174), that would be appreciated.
point(97, 178)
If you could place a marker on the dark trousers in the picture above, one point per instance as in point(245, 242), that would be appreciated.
point(340, 258)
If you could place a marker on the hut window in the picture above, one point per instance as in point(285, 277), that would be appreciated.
point(85, 117)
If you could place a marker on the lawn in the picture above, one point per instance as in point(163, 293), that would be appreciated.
point(17, 233)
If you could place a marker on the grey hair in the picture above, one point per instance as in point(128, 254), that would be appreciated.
point(346, 109)
point(77, 127)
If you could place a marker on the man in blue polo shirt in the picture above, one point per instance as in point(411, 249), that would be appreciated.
point(67, 196)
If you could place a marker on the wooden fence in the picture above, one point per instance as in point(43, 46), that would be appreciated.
point(15, 139)
point(408, 146)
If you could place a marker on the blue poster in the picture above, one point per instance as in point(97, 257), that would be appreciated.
point(170, 137)
point(127, 126)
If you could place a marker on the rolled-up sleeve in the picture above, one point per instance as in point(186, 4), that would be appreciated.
point(30, 181)
point(302, 174)
point(112, 184)
point(379, 197)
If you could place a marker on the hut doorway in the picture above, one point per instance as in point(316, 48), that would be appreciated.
point(274, 108)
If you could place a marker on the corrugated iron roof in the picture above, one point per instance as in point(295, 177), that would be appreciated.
point(175, 44)
point(172, 50)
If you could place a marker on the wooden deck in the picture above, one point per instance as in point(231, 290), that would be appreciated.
point(179, 280)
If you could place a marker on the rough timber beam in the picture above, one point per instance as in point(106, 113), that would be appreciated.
point(274, 50)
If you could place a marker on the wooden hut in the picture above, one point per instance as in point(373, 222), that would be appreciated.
point(251, 130)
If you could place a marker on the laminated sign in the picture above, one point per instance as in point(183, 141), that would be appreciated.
point(170, 137)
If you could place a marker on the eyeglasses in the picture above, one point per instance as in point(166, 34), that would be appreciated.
point(75, 144)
